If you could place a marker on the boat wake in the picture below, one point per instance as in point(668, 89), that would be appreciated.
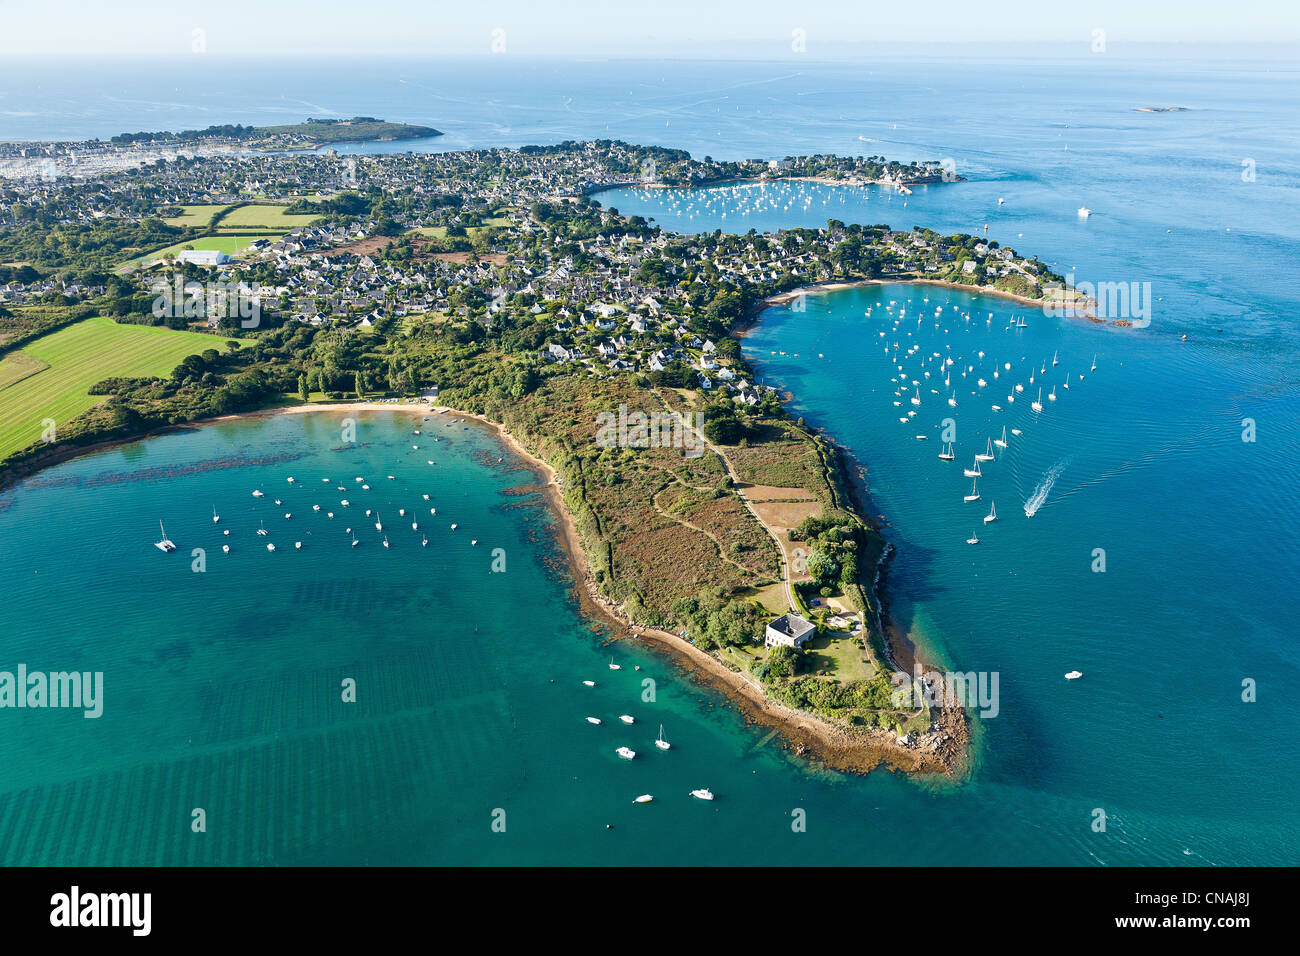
point(1044, 489)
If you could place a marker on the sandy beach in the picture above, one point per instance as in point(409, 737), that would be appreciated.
point(823, 287)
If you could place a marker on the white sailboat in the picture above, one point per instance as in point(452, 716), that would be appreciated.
point(703, 793)
point(1051, 396)
point(385, 541)
point(988, 452)
point(916, 399)
point(262, 530)
point(379, 525)
point(613, 666)
point(946, 454)
point(1002, 442)
point(992, 516)
point(1055, 361)
point(215, 517)
point(166, 543)
point(270, 547)
point(973, 539)
point(1066, 386)
point(1094, 362)
point(974, 491)
point(355, 542)
point(1037, 405)
point(974, 470)
point(660, 742)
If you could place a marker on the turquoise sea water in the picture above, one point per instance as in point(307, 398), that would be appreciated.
point(222, 688)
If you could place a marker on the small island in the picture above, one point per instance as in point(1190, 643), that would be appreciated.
point(310, 134)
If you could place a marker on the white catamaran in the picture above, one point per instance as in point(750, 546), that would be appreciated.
point(166, 543)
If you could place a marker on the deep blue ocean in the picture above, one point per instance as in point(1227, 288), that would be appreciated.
point(222, 684)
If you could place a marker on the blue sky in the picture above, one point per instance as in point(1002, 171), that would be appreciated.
point(762, 28)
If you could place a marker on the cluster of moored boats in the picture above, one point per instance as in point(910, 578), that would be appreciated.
point(915, 371)
point(742, 200)
point(360, 484)
point(627, 753)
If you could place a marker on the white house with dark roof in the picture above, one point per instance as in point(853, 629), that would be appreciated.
point(789, 630)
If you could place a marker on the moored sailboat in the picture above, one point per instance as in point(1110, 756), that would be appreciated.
point(165, 544)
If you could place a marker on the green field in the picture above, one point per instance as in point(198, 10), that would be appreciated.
point(77, 357)
point(199, 215)
point(440, 232)
point(266, 217)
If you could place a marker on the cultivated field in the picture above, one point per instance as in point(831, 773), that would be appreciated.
point(198, 215)
point(266, 217)
point(76, 358)
point(253, 216)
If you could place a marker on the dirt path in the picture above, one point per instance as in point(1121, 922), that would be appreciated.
point(736, 486)
point(654, 503)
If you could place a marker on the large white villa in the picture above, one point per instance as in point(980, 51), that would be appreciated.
point(789, 630)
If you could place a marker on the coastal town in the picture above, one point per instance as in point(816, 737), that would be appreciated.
point(477, 235)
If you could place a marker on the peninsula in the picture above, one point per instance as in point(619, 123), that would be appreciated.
point(699, 515)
